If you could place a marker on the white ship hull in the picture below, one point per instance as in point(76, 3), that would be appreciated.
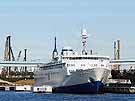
point(91, 80)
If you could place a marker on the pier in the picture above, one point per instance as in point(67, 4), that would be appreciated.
point(120, 90)
point(123, 79)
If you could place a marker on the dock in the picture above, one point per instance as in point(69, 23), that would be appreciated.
point(121, 90)
point(19, 86)
point(7, 88)
point(121, 86)
point(26, 88)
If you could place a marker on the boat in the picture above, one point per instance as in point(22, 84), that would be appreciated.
point(72, 72)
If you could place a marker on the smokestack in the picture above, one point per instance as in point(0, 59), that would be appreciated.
point(118, 50)
point(115, 50)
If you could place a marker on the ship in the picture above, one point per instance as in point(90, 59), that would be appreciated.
point(73, 72)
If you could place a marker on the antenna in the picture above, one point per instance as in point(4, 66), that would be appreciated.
point(84, 40)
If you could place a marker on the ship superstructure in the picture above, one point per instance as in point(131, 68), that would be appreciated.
point(71, 72)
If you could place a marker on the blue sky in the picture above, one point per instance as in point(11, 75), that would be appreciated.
point(34, 23)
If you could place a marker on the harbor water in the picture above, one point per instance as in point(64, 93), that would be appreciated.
point(27, 96)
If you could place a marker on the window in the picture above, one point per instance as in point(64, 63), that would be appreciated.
point(68, 65)
point(102, 65)
point(82, 65)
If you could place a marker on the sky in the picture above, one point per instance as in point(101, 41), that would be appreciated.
point(33, 24)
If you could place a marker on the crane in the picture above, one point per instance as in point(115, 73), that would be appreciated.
point(19, 55)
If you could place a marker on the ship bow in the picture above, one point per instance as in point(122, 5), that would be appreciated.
point(91, 88)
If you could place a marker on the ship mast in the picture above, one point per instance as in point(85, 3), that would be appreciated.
point(84, 40)
point(55, 52)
